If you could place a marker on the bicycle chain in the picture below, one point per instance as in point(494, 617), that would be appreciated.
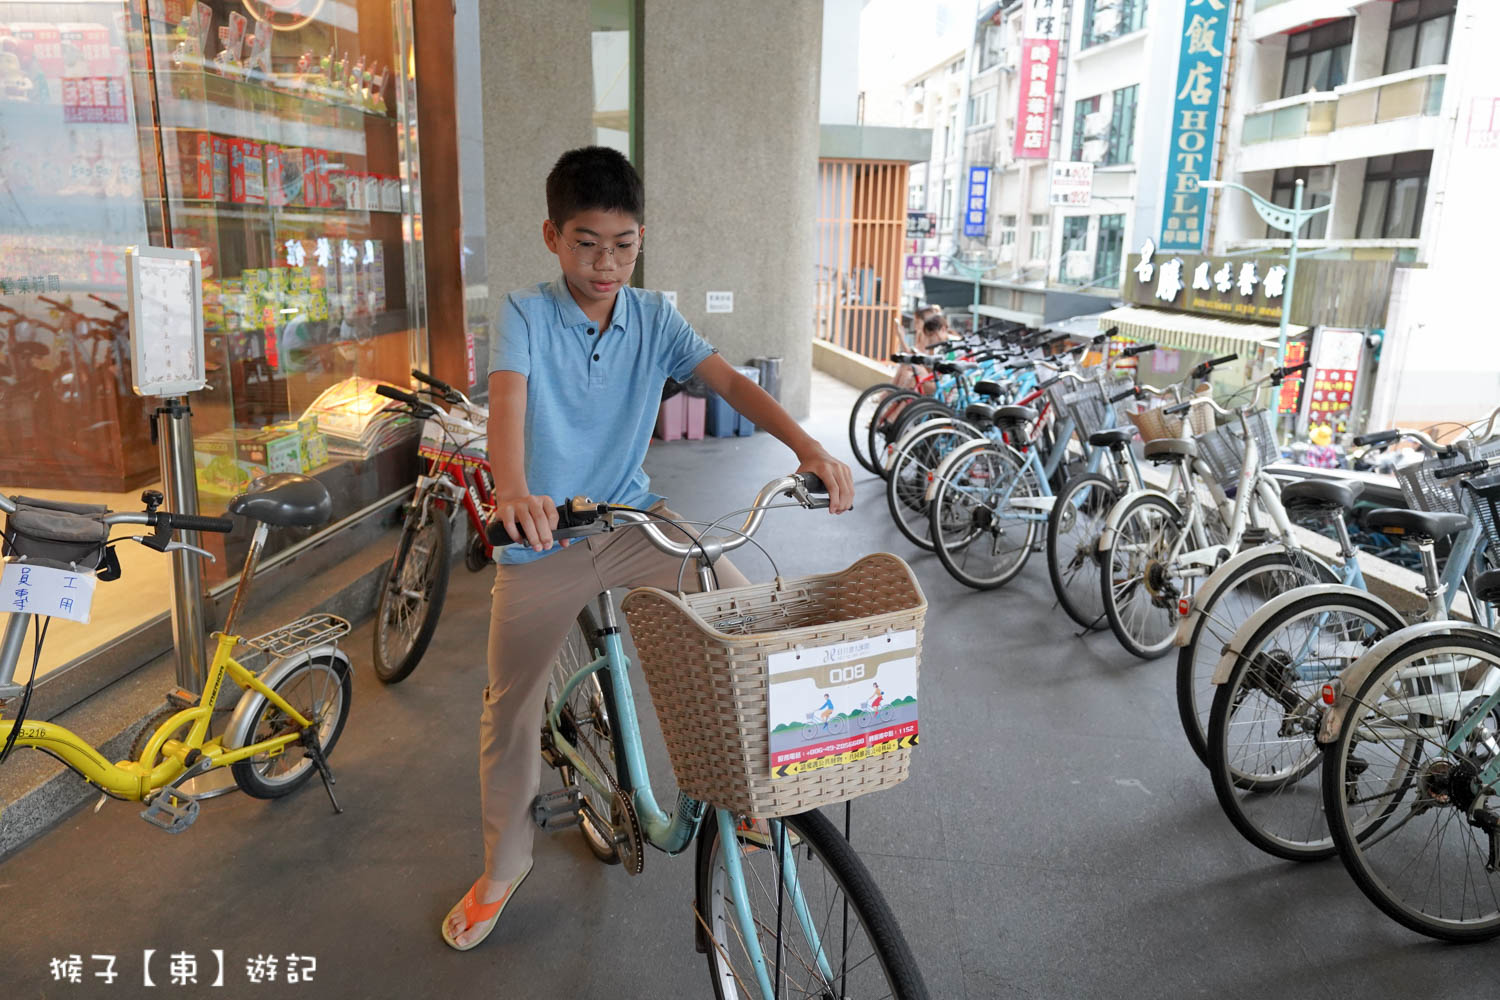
point(634, 861)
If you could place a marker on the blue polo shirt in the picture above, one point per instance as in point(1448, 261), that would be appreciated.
point(591, 396)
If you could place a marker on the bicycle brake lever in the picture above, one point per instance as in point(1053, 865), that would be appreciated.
point(173, 546)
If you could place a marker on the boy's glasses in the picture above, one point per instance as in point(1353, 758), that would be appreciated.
point(591, 251)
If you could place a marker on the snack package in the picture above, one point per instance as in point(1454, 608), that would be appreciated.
point(275, 193)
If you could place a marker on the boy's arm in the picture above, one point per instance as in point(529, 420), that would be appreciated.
point(505, 436)
point(754, 402)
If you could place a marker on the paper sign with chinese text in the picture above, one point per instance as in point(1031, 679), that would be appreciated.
point(42, 590)
point(841, 703)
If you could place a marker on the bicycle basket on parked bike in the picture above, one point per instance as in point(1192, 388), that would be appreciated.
point(1223, 448)
point(1424, 491)
point(1088, 407)
point(50, 532)
point(721, 663)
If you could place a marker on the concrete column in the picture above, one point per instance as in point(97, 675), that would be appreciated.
point(1372, 24)
point(730, 156)
point(1348, 191)
point(534, 111)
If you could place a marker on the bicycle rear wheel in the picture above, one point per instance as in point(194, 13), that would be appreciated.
point(1137, 586)
point(319, 690)
point(1073, 530)
point(911, 474)
point(882, 427)
point(837, 935)
point(413, 591)
point(859, 420)
point(982, 538)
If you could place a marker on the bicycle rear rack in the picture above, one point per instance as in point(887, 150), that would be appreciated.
point(304, 633)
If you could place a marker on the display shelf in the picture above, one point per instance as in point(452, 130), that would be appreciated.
point(236, 92)
point(233, 209)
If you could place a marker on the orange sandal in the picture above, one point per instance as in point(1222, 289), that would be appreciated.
point(477, 913)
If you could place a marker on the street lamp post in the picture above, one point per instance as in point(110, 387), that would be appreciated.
point(1287, 221)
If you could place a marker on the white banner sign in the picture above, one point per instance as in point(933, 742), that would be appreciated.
point(41, 590)
point(1072, 184)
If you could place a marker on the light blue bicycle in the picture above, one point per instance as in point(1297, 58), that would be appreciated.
point(782, 908)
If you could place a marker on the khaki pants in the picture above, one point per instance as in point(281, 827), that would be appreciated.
point(534, 605)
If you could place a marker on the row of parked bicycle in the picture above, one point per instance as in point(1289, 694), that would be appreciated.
point(1331, 720)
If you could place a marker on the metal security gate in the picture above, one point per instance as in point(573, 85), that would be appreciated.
point(861, 229)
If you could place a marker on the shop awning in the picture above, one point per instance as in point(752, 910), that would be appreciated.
point(1187, 332)
point(1014, 315)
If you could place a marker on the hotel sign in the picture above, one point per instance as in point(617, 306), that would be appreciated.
point(1195, 114)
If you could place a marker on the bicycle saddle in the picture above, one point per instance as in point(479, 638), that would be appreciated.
point(1170, 450)
point(1015, 414)
point(1321, 493)
point(978, 413)
point(989, 388)
point(285, 500)
point(1116, 437)
point(1487, 587)
point(1416, 523)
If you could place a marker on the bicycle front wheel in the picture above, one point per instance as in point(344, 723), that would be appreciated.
point(795, 894)
point(1262, 729)
point(911, 474)
point(1073, 530)
point(981, 535)
point(586, 724)
point(859, 420)
point(1415, 823)
point(1137, 585)
point(412, 593)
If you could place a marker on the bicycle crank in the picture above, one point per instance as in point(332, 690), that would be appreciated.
point(172, 809)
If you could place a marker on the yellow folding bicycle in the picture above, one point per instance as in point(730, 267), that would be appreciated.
point(291, 711)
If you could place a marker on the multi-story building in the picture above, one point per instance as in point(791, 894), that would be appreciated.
point(934, 100)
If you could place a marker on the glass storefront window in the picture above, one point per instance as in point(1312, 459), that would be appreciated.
point(611, 22)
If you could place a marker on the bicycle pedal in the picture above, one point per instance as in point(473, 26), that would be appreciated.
point(169, 816)
point(558, 810)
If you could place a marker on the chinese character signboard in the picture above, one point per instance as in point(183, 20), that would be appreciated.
point(976, 207)
point(1041, 31)
point(1334, 376)
point(1072, 184)
point(1291, 388)
point(920, 264)
point(921, 225)
point(1245, 288)
point(94, 99)
point(1195, 113)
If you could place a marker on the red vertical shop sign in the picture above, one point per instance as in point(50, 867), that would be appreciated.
point(1038, 86)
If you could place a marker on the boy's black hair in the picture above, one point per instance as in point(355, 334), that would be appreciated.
point(594, 177)
point(933, 323)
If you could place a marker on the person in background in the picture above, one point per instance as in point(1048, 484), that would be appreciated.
point(1321, 454)
point(933, 331)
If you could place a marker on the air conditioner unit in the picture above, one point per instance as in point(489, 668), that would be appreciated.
point(1010, 57)
point(1077, 265)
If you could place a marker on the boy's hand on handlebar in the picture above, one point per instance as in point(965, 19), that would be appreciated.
point(530, 517)
point(835, 475)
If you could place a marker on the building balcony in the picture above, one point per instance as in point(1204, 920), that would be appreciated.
point(1375, 117)
point(1275, 17)
point(1401, 251)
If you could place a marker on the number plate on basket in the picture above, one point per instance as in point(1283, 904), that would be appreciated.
point(842, 703)
point(42, 590)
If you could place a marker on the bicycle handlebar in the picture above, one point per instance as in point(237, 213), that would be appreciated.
point(1135, 349)
point(1466, 469)
point(1202, 370)
point(1429, 446)
point(436, 383)
point(582, 514)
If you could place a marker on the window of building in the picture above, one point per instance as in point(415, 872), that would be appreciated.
point(916, 197)
point(1075, 241)
point(1081, 110)
point(1421, 31)
point(945, 220)
point(1318, 59)
point(1005, 229)
point(1107, 249)
point(1039, 224)
point(982, 108)
point(1395, 191)
point(1317, 190)
point(991, 47)
point(950, 142)
point(1106, 20)
point(1122, 126)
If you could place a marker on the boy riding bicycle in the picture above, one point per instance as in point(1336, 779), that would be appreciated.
point(576, 373)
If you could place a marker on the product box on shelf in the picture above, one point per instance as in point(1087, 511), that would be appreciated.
point(347, 191)
point(227, 460)
point(371, 197)
point(284, 448)
point(390, 194)
point(325, 192)
point(247, 172)
point(275, 192)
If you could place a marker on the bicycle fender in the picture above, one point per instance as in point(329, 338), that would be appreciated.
point(237, 731)
point(1117, 513)
point(1215, 583)
point(929, 425)
point(1351, 680)
point(941, 472)
point(1235, 648)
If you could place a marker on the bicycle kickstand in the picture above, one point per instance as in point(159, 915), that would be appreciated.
point(309, 739)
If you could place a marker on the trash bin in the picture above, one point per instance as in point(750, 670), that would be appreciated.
point(770, 375)
point(722, 420)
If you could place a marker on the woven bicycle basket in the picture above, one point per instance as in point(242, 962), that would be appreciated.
point(706, 656)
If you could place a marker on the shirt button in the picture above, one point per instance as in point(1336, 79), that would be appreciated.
point(591, 331)
point(596, 357)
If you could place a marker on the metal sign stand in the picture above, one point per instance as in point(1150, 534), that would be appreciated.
point(166, 333)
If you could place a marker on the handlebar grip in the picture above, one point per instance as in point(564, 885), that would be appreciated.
point(1378, 437)
point(1049, 383)
point(1135, 349)
point(1294, 369)
point(1466, 469)
point(391, 392)
point(194, 522)
point(497, 534)
point(427, 379)
point(1099, 339)
point(1117, 397)
point(1215, 362)
point(1177, 408)
point(812, 483)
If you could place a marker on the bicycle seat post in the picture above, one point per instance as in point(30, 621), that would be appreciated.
point(242, 592)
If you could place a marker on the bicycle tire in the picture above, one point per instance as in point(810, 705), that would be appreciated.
point(394, 662)
point(1274, 805)
point(1073, 546)
point(859, 420)
point(1356, 842)
point(269, 720)
point(910, 474)
point(1219, 621)
point(910, 419)
point(1127, 583)
point(595, 696)
point(882, 428)
point(958, 523)
point(813, 838)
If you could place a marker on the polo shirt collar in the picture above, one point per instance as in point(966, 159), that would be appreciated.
point(570, 315)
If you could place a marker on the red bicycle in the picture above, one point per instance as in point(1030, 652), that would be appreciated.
point(456, 476)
